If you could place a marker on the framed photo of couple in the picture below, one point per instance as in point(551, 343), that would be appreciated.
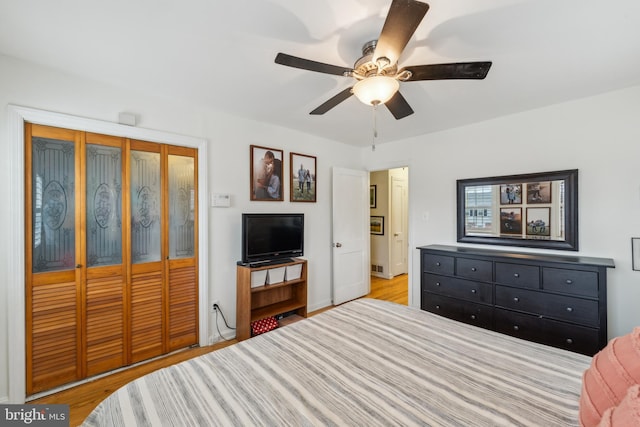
point(303, 178)
point(267, 165)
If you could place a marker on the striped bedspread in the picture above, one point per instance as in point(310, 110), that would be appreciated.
point(365, 363)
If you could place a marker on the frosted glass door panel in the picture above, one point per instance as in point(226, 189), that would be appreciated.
point(145, 207)
point(53, 204)
point(181, 207)
point(104, 205)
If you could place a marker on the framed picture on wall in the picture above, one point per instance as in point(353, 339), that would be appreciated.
point(266, 169)
point(377, 225)
point(635, 253)
point(372, 196)
point(302, 186)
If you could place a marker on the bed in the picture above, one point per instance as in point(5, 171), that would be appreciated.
point(366, 362)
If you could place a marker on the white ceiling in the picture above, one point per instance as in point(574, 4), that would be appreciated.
point(220, 55)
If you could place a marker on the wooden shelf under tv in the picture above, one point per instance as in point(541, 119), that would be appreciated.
point(259, 302)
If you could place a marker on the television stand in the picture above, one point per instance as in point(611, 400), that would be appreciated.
point(258, 302)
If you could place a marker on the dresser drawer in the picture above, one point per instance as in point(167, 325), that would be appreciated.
point(570, 281)
point(458, 288)
point(462, 311)
point(438, 264)
point(525, 326)
point(475, 269)
point(522, 276)
point(576, 310)
point(576, 338)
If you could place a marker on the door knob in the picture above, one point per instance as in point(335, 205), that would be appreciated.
point(338, 245)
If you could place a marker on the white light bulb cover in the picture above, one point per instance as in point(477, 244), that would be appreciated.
point(376, 89)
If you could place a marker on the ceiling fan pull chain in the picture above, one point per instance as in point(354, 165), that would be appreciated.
point(375, 127)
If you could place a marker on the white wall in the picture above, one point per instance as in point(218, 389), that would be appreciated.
point(599, 136)
point(229, 138)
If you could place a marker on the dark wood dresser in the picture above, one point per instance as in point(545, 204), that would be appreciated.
point(559, 300)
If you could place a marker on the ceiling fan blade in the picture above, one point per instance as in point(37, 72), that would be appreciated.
point(307, 64)
point(458, 70)
point(398, 106)
point(332, 102)
point(403, 18)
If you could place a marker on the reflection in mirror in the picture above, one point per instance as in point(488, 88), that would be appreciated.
point(533, 210)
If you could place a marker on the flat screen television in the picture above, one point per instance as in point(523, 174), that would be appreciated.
point(271, 237)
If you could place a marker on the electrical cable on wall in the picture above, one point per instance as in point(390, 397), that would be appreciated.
point(217, 309)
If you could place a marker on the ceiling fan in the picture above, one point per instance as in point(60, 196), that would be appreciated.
point(377, 74)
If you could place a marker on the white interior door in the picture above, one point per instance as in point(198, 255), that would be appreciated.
point(398, 227)
point(350, 234)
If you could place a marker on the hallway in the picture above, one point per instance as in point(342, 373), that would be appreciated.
point(394, 290)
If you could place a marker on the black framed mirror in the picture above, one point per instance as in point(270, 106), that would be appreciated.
point(537, 210)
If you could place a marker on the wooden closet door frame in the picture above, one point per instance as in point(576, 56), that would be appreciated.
point(17, 116)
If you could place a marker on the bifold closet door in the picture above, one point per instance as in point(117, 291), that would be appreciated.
point(54, 259)
point(148, 296)
point(111, 255)
point(106, 289)
point(182, 254)
point(76, 278)
point(164, 274)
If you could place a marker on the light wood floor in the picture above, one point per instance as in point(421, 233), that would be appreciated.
point(82, 399)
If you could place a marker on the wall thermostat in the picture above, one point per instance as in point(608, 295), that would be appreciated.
point(220, 200)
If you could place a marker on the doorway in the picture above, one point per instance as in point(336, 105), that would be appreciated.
point(389, 201)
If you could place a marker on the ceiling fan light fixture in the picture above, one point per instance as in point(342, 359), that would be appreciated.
point(376, 89)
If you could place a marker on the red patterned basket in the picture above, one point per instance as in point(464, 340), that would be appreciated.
point(263, 325)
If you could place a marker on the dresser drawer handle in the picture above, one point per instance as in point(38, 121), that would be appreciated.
point(516, 327)
point(437, 307)
point(437, 264)
point(569, 341)
point(474, 269)
point(516, 299)
point(473, 317)
point(569, 281)
point(473, 291)
point(437, 283)
point(516, 275)
point(569, 309)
